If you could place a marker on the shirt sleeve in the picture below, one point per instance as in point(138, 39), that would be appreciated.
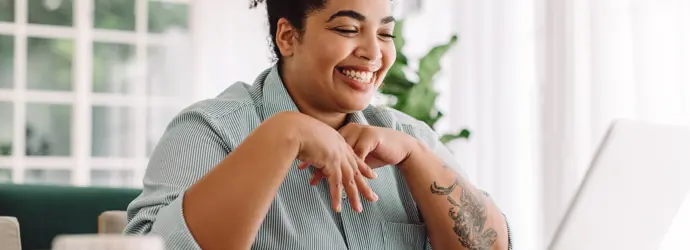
point(190, 147)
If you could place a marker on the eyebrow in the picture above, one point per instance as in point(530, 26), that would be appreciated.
point(357, 16)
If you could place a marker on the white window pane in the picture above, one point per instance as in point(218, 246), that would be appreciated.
point(112, 132)
point(114, 68)
point(166, 16)
point(48, 177)
point(168, 71)
point(111, 14)
point(6, 59)
point(50, 64)
point(5, 173)
point(6, 10)
point(48, 129)
point(6, 128)
point(112, 178)
point(51, 12)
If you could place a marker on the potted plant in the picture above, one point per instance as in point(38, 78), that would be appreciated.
point(418, 98)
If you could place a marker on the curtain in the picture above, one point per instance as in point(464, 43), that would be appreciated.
point(608, 60)
point(540, 81)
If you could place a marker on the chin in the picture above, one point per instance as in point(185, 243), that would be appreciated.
point(351, 104)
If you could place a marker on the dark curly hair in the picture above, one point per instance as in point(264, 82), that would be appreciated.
point(294, 11)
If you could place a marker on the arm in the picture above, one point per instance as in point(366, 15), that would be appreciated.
point(458, 216)
point(197, 196)
point(225, 209)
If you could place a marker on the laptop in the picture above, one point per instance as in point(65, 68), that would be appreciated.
point(633, 192)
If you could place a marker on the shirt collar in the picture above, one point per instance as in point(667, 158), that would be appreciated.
point(275, 97)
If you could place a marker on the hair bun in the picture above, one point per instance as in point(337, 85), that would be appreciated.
point(254, 3)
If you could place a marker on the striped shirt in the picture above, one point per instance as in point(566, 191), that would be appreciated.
point(300, 216)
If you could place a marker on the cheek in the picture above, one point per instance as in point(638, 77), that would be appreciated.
point(334, 52)
point(326, 50)
point(389, 53)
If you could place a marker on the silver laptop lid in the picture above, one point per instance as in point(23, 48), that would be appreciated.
point(632, 192)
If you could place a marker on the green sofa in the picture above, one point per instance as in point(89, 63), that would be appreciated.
point(44, 212)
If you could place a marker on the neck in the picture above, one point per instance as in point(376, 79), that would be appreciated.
point(306, 105)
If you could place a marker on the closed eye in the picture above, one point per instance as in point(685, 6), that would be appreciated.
point(387, 37)
point(345, 31)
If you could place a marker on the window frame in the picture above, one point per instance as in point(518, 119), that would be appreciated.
point(81, 97)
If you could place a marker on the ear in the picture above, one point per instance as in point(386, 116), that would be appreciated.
point(286, 37)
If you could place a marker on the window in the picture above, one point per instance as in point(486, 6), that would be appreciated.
point(87, 87)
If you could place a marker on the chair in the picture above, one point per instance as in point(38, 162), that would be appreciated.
point(112, 222)
point(9, 234)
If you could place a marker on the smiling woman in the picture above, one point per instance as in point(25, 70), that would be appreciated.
point(300, 160)
point(327, 50)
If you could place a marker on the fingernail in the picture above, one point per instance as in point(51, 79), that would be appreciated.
point(337, 209)
point(376, 197)
point(360, 208)
point(375, 174)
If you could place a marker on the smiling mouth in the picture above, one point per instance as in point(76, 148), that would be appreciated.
point(365, 77)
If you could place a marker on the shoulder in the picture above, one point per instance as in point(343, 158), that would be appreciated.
point(232, 115)
point(231, 101)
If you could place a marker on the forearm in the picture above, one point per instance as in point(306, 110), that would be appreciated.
point(225, 209)
point(457, 215)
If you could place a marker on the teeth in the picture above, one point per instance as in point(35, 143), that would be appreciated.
point(360, 76)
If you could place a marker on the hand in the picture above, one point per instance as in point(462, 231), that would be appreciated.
point(378, 146)
point(323, 148)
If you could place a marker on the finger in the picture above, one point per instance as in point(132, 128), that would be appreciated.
point(365, 169)
point(365, 145)
point(347, 128)
point(336, 187)
point(350, 134)
point(352, 159)
point(302, 165)
point(351, 187)
point(374, 162)
point(364, 188)
point(318, 175)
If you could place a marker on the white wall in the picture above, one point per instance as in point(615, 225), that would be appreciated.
point(231, 43)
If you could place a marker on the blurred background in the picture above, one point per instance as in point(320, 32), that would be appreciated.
point(87, 87)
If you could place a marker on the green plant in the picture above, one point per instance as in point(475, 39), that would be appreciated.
point(418, 99)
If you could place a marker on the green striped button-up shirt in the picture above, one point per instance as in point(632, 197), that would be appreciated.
point(300, 216)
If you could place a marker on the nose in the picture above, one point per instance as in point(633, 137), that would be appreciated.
point(369, 49)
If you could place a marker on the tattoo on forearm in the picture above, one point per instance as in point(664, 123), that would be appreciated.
point(469, 216)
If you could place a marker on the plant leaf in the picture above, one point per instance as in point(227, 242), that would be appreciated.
point(396, 83)
point(435, 117)
point(401, 58)
point(451, 137)
point(419, 102)
point(430, 64)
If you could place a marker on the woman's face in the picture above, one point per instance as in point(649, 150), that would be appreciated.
point(344, 53)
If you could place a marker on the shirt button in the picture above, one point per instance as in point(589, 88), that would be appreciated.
point(344, 195)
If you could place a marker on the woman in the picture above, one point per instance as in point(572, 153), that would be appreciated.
point(233, 172)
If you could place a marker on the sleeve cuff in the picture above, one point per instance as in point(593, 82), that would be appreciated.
point(171, 226)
